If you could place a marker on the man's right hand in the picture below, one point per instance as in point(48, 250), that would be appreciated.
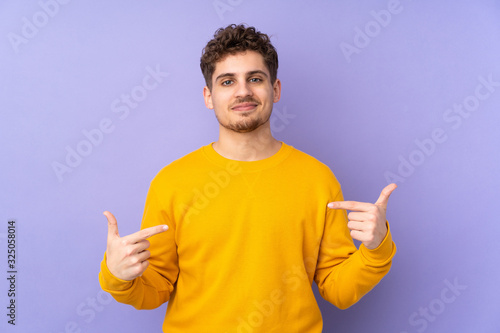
point(126, 257)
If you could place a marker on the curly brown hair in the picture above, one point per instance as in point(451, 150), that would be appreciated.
point(235, 39)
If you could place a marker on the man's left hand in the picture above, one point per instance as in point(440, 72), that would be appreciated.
point(367, 221)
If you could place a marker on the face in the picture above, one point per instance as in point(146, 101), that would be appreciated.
point(242, 93)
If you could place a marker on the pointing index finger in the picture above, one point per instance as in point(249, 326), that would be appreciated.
point(146, 233)
point(350, 205)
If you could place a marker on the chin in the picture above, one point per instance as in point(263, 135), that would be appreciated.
point(243, 126)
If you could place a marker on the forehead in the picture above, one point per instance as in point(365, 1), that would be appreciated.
point(240, 63)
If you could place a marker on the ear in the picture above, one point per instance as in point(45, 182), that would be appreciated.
point(277, 90)
point(207, 95)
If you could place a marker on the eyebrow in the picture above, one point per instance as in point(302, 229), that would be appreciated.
point(248, 74)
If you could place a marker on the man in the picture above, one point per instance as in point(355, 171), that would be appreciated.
point(251, 221)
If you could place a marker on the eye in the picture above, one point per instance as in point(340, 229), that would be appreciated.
point(255, 79)
point(227, 82)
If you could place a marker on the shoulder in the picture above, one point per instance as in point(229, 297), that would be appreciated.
point(312, 167)
point(178, 169)
point(309, 162)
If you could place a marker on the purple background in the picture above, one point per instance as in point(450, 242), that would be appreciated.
point(361, 114)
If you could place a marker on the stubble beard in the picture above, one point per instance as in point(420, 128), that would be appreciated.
point(248, 124)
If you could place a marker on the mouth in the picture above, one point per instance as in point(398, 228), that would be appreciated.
point(244, 107)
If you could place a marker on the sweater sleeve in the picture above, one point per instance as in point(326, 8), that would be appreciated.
point(156, 284)
point(344, 274)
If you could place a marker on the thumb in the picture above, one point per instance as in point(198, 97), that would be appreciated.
point(112, 225)
point(384, 196)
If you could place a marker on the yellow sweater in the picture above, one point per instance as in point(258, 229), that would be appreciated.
point(245, 242)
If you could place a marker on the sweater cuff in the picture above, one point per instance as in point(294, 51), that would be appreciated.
point(110, 282)
point(383, 253)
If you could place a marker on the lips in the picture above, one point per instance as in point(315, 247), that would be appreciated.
point(244, 107)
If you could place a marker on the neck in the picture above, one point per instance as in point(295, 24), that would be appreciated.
point(251, 146)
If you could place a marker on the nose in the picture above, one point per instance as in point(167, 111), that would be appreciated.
point(243, 89)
